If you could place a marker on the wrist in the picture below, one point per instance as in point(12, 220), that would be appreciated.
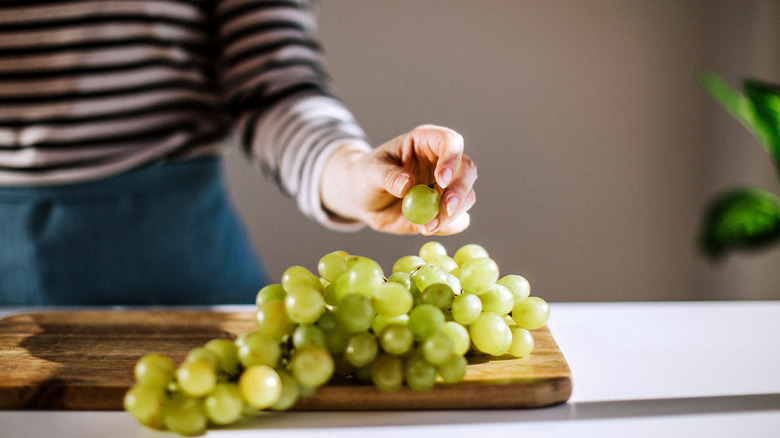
point(337, 186)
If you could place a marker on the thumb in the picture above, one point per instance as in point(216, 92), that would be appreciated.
point(397, 180)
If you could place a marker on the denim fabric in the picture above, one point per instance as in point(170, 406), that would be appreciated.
point(163, 234)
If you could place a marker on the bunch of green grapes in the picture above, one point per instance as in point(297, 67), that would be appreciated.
point(414, 327)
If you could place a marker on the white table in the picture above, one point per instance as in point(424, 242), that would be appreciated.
point(687, 369)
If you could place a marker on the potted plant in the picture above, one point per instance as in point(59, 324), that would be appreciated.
point(748, 217)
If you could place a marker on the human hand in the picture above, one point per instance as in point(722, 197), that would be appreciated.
point(369, 186)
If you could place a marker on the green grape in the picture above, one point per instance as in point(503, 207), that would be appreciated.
point(299, 275)
point(272, 319)
point(531, 313)
point(332, 265)
point(516, 284)
point(498, 299)
point(227, 354)
point(381, 321)
point(459, 335)
point(420, 205)
point(196, 378)
point(404, 279)
point(336, 338)
point(407, 264)
point(392, 299)
point(396, 339)
point(290, 392)
point(203, 354)
point(468, 252)
point(355, 312)
point(145, 403)
point(309, 334)
point(330, 295)
point(478, 274)
point(185, 415)
point(361, 349)
point(304, 304)
point(439, 295)
point(453, 369)
point(466, 308)
point(364, 276)
point(425, 319)
point(387, 372)
point(224, 405)
point(154, 370)
point(260, 386)
point(419, 374)
point(445, 262)
point(312, 365)
point(270, 292)
point(431, 249)
point(259, 349)
point(522, 342)
point(490, 334)
point(454, 282)
point(428, 275)
point(437, 348)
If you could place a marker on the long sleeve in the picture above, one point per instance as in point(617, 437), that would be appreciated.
point(288, 120)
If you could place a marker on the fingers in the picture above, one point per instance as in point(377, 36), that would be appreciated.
point(444, 147)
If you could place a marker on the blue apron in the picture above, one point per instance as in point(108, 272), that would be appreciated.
point(162, 234)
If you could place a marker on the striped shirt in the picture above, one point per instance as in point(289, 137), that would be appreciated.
point(93, 88)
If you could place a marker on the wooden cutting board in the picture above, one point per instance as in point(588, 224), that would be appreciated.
point(83, 360)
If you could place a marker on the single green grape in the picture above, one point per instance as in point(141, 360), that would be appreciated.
point(453, 369)
point(517, 284)
point(490, 334)
point(531, 313)
point(224, 405)
point(155, 370)
point(361, 349)
point(260, 386)
point(425, 319)
point(381, 321)
point(429, 250)
point(304, 304)
point(355, 312)
point(272, 319)
point(497, 299)
point(478, 274)
point(459, 335)
point(428, 275)
point(437, 348)
point(392, 299)
point(332, 265)
point(227, 354)
point(419, 374)
point(364, 276)
point(387, 372)
point(469, 251)
point(407, 263)
point(268, 293)
point(203, 354)
point(312, 365)
point(396, 339)
point(185, 415)
point(466, 308)
point(298, 275)
point(309, 334)
point(420, 205)
point(522, 342)
point(259, 349)
point(145, 403)
point(439, 295)
point(404, 279)
point(445, 262)
point(196, 378)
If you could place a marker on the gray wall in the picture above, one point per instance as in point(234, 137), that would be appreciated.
point(596, 149)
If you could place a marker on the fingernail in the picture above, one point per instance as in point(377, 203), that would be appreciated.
point(400, 183)
point(445, 177)
point(452, 204)
point(430, 227)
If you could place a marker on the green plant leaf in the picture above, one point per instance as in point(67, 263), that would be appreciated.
point(732, 99)
point(765, 100)
point(743, 218)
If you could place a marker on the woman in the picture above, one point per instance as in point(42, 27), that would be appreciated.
point(111, 120)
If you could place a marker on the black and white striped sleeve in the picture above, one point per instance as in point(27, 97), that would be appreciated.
point(288, 120)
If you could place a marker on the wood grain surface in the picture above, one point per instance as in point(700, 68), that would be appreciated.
point(83, 360)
